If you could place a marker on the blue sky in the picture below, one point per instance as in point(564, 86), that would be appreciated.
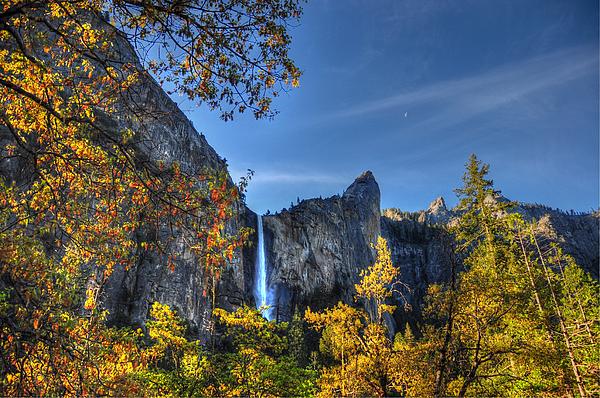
point(409, 88)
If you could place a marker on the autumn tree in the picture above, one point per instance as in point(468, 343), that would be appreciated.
point(379, 282)
point(412, 365)
point(485, 307)
point(175, 365)
point(356, 341)
point(563, 294)
point(258, 361)
point(75, 185)
point(253, 361)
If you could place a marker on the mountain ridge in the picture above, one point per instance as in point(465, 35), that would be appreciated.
point(298, 246)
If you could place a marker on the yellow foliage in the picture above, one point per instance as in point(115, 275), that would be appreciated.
point(166, 330)
point(74, 221)
point(358, 343)
point(378, 281)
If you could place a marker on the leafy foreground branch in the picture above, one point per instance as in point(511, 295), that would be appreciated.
point(82, 190)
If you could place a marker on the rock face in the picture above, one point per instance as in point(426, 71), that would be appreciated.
point(421, 252)
point(317, 249)
point(130, 293)
point(162, 133)
point(577, 234)
point(436, 213)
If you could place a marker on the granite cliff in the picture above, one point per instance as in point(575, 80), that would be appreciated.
point(317, 249)
point(164, 133)
point(161, 133)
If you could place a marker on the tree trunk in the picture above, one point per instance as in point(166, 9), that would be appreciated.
point(439, 390)
point(561, 321)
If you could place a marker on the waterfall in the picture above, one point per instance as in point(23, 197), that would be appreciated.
point(261, 291)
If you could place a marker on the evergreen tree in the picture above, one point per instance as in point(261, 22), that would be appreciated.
point(517, 320)
point(485, 307)
point(579, 305)
point(297, 343)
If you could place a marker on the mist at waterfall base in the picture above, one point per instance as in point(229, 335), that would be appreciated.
point(262, 294)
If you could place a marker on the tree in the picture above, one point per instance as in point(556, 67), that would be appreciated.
point(480, 206)
point(344, 342)
point(175, 365)
point(258, 362)
point(569, 314)
point(65, 354)
point(297, 340)
point(355, 341)
point(412, 365)
point(484, 310)
point(378, 282)
point(75, 185)
point(579, 295)
point(233, 55)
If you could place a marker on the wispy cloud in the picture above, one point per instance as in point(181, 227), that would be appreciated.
point(285, 177)
point(461, 99)
point(362, 62)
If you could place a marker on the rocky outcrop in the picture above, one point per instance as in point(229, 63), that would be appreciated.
point(578, 234)
point(317, 248)
point(421, 251)
point(436, 213)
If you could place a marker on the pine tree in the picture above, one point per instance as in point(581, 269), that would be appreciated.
point(485, 305)
point(579, 304)
point(519, 320)
point(296, 340)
